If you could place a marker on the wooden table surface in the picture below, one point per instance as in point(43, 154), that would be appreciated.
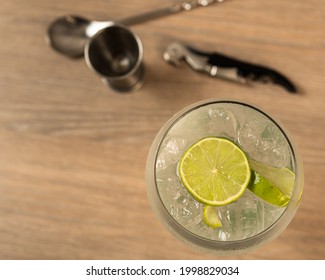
point(73, 152)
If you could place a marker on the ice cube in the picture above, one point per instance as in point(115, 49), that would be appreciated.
point(264, 142)
point(174, 187)
point(175, 145)
point(170, 152)
point(242, 218)
point(271, 213)
point(222, 123)
point(186, 210)
point(169, 187)
point(249, 139)
point(274, 146)
point(280, 155)
point(178, 201)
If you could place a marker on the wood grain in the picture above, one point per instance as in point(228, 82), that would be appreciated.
point(73, 152)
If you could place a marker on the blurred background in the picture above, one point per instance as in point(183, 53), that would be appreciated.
point(73, 152)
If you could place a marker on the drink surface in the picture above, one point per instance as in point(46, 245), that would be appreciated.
point(261, 140)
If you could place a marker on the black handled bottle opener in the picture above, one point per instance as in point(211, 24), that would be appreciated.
point(222, 66)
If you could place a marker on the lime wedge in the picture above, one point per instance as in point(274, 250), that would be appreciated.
point(282, 178)
point(264, 189)
point(215, 171)
point(210, 217)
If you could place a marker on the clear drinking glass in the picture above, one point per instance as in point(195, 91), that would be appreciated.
point(249, 221)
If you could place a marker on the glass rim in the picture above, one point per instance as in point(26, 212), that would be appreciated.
point(268, 233)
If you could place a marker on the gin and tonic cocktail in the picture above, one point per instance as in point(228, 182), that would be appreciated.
point(224, 176)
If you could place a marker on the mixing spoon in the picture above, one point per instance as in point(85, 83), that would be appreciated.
point(69, 34)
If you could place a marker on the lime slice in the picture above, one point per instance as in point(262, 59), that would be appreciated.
point(215, 171)
point(264, 189)
point(281, 178)
point(210, 217)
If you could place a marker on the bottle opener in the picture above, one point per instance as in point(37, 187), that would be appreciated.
point(221, 66)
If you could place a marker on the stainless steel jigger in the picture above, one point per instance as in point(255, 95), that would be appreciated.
point(115, 53)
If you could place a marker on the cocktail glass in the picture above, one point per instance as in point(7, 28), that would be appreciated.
point(248, 222)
